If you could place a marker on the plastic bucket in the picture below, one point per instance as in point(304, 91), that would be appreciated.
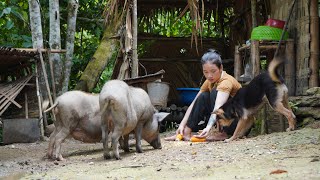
point(275, 23)
point(158, 93)
point(187, 95)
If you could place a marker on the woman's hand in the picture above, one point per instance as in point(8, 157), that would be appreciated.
point(180, 130)
point(204, 133)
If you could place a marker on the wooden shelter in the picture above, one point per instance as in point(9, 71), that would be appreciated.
point(301, 72)
point(180, 56)
point(16, 75)
point(19, 100)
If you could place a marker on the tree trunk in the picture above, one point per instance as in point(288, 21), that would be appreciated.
point(135, 61)
point(107, 49)
point(37, 42)
point(35, 22)
point(72, 16)
point(55, 43)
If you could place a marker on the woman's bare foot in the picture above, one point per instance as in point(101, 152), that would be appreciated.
point(186, 138)
point(171, 138)
point(218, 136)
point(174, 138)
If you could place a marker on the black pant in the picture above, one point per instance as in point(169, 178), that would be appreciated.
point(201, 111)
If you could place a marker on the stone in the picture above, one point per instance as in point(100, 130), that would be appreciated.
point(305, 101)
point(313, 91)
point(303, 112)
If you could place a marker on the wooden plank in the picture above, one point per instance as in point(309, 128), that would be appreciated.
point(7, 103)
point(145, 79)
point(11, 89)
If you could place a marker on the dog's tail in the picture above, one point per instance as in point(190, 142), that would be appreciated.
point(273, 66)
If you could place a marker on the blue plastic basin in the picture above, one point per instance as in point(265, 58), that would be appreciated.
point(187, 95)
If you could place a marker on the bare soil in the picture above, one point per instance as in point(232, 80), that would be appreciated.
point(285, 155)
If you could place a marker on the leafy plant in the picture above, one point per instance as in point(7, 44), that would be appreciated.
point(14, 31)
point(293, 106)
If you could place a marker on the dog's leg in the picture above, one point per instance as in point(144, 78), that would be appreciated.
point(248, 125)
point(287, 112)
point(286, 105)
point(242, 124)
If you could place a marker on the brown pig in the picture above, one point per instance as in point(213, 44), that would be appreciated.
point(130, 110)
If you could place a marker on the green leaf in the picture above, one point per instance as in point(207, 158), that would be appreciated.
point(26, 38)
point(9, 24)
point(18, 15)
point(27, 44)
point(7, 10)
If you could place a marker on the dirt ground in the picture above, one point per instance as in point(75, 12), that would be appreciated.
point(285, 155)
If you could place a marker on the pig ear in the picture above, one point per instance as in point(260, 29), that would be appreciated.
point(160, 116)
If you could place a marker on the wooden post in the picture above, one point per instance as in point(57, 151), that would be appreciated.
point(39, 103)
point(254, 13)
point(314, 44)
point(238, 69)
point(26, 105)
point(255, 58)
point(255, 54)
point(135, 63)
point(47, 83)
point(290, 67)
point(54, 92)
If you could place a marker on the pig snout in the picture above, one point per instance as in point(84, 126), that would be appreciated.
point(156, 143)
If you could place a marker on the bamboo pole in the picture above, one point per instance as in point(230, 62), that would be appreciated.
point(42, 50)
point(47, 83)
point(261, 47)
point(54, 93)
point(285, 28)
point(314, 44)
point(237, 63)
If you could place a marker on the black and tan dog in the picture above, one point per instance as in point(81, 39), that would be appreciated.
point(249, 98)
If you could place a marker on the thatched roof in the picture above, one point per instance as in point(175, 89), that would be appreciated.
point(11, 58)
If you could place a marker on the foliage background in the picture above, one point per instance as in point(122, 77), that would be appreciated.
point(15, 31)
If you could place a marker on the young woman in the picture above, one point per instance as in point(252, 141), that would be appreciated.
point(215, 91)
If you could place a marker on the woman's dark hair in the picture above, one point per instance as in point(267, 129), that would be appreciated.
point(213, 57)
